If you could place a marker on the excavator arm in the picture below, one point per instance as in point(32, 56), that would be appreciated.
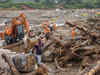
point(25, 22)
point(21, 20)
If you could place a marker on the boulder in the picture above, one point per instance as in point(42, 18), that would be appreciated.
point(4, 67)
point(24, 62)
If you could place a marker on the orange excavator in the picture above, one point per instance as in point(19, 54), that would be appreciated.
point(15, 30)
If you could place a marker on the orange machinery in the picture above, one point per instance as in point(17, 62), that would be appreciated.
point(11, 32)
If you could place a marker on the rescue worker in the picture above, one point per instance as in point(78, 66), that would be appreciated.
point(46, 30)
point(73, 33)
point(7, 34)
point(38, 48)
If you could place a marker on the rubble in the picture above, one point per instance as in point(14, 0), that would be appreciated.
point(83, 51)
point(11, 63)
point(4, 67)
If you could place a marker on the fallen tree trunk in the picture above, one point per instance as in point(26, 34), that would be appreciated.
point(77, 46)
point(91, 36)
point(12, 45)
point(91, 70)
point(81, 28)
point(58, 67)
point(47, 45)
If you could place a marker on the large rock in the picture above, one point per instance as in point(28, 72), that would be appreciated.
point(24, 62)
point(4, 67)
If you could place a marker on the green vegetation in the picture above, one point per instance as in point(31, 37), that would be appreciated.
point(53, 4)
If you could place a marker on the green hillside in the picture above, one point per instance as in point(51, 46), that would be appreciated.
point(18, 4)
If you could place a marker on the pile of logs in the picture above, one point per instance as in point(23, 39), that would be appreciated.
point(82, 51)
point(91, 70)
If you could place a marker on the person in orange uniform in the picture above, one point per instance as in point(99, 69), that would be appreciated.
point(8, 32)
point(73, 33)
point(46, 29)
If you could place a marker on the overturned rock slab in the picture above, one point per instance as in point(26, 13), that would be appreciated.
point(24, 62)
point(21, 62)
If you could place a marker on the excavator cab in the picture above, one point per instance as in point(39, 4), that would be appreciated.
point(20, 32)
point(19, 29)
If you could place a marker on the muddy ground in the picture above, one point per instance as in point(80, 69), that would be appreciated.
point(36, 17)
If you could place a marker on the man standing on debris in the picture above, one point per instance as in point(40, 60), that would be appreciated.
point(38, 48)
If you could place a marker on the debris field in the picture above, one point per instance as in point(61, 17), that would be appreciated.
point(62, 54)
